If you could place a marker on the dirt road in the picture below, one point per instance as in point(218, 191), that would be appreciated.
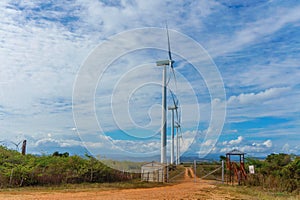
point(188, 189)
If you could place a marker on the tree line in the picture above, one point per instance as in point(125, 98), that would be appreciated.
point(278, 172)
point(17, 170)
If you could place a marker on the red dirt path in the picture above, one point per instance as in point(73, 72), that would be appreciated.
point(188, 189)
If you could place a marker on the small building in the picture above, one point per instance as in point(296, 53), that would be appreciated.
point(153, 172)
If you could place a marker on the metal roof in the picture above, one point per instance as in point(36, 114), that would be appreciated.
point(235, 152)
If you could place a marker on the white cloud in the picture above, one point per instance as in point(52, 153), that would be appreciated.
point(97, 16)
point(273, 102)
point(257, 98)
point(55, 143)
point(245, 146)
point(276, 73)
point(208, 143)
point(237, 141)
point(268, 143)
point(253, 32)
point(286, 148)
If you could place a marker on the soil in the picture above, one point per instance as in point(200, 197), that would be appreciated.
point(187, 189)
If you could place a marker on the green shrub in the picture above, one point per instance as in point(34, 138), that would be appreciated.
point(18, 170)
point(278, 172)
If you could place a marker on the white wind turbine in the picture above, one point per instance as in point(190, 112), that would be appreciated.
point(164, 64)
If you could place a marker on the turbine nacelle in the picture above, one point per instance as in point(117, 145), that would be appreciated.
point(172, 107)
point(164, 62)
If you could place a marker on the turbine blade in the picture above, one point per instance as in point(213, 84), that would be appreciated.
point(173, 72)
point(170, 56)
point(14, 143)
point(179, 116)
point(169, 77)
point(176, 111)
point(179, 111)
point(173, 99)
point(169, 46)
point(175, 103)
point(181, 136)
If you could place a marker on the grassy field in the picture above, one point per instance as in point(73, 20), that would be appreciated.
point(88, 186)
point(258, 192)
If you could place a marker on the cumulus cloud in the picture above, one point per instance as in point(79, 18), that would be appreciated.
point(237, 141)
point(208, 143)
point(268, 143)
point(234, 142)
point(256, 98)
point(55, 143)
point(245, 146)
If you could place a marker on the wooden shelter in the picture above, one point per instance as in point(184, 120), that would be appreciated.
point(235, 167)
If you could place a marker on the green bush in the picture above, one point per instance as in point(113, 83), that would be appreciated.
point(278, 172)
point(18, 170)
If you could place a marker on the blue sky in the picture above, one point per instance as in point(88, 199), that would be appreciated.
point(253, 44)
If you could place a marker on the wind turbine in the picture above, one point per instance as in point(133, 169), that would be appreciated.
point(172, 108)
point(164, 64)
point(16, 144)
point(178, 129)
point(176, 125)
point(5, 142)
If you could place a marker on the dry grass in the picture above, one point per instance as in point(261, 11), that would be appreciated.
point(87, 186)
point(259, 193)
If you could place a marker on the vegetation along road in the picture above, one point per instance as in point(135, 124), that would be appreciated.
point(187, 189)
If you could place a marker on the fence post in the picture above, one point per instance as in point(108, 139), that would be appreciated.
point(199, 175)
point(167, 172)
point(195, 171)
point(222, 171)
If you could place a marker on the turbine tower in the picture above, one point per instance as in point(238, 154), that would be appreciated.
point(164, 64)
point(163, 149)
point(177, 147)
point(172, 108)
point(178, 129)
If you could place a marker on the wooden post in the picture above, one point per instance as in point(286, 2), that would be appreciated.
point(195, 171)
point(24, 147)
point(222, 171)
point(166, 167)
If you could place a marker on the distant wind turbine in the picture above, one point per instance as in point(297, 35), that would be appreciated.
point(172, 108)
point(178, 131)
